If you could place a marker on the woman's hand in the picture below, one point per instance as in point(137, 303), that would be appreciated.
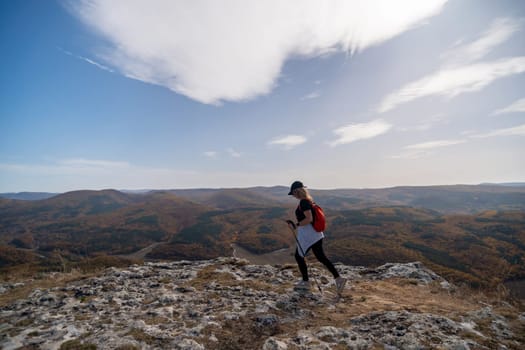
point(291, 224)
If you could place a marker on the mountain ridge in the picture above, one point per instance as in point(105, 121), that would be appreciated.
point(276, 189)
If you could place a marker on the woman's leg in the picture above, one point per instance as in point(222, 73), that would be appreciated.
point(302, 265)
point(317, 248)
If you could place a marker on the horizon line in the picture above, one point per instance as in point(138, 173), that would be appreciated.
point(509, 184)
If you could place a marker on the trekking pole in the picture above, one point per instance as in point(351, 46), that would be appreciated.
point(291, 224)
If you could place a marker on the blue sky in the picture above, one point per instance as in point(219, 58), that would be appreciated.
point(175, 94)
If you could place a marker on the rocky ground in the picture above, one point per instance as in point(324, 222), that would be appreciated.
point(227, 303)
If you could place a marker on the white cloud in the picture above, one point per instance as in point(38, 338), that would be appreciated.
point(82, 163)
point(233, 153)
point(420, 150)
point(74, 166)
point(451, 82)
point(459, 74)
point(312, 95)
point(434, 144)
point(88, 60)
point(213, 51)
point(411, 154)
point(517, 106)
point(51, 177)
point(426, 148)
point(355, 132)
point(75, 174)
point(514, 131)
point(500, 31)
point(425, 123)
point(210, 154)
point(230, 151)
point(288, 142)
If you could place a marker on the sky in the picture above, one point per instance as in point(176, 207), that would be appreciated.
point(212, 94)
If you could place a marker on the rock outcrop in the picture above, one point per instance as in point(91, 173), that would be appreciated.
point(227, 303)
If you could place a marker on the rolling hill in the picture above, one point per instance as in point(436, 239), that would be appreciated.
point(465, 199)
point(481, 244)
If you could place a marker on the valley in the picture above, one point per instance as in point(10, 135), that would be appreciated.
point(365, 228)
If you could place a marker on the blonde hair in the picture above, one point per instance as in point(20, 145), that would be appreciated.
point(304, 194)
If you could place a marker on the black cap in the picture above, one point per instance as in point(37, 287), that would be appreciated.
point(295, 185)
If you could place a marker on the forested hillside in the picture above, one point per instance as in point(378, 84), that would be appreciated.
point(481, 248)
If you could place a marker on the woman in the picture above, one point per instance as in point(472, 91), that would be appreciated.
point(308, 238)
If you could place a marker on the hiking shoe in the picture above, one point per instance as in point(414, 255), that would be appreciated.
point(302, 285)
point(340, 284)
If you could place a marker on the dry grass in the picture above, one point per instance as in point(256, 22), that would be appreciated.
point(362, 298)
point(208, 274)
point(375, 296)
point(76, 344)
point(225, 279)
point(401, 294)
point(156, 320)
point(45, 281)
point(127, 347)
point(141, 336)
point(236, 335)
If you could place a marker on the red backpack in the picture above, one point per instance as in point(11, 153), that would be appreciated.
point(319, 223)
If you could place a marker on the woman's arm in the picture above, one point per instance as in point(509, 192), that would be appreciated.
point(308, 219)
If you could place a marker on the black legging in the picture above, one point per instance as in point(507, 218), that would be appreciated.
point(317, 248)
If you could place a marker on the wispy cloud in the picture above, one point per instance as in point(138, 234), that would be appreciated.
point(233, 153)
point(312, 95)
point(288, 142)
point(64, 175)
point(514, 131)
point(499, 31)
point(355, 132)
point(515, 107)
point(91, 163)
point(459, 74)
point(423, 149)
point(435, 144)
point(411, 154)
point(196, 48)
point(215, 154)
point(425, 123)
point(210, 154)
point(73, 174)
point(88, 60)
point(73, 166)
point(454, 81)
